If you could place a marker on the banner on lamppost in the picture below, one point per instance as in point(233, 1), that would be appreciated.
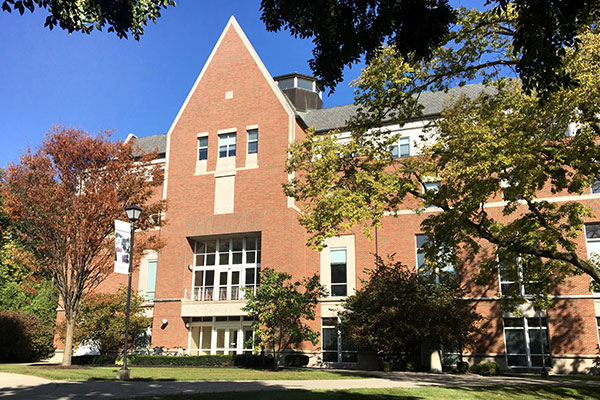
point(122, 246)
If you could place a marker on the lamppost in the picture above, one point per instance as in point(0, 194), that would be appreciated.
point(133, 213)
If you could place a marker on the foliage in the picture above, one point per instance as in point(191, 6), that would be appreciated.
point(344, 31)
point(462, 367)
point(121, 17)
point(64, 199)
point(280, 308)
point(101, 321)
point(487, 369)
point(24, 337)
point(296, 360)
point(500, 135)
point(198, 361)
point(254, 361)
point(397, 310)
point(94, 359)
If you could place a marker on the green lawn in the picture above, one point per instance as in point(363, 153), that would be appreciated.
point(462, 393)
point(173, 373)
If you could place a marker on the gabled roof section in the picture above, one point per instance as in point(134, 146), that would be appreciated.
point(327, 119)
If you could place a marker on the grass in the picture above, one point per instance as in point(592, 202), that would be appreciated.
point(174, 373)
point(460, 393)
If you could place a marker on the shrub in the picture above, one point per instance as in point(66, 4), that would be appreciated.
point(198, 361)
point(486, 369)
point(462, 367)
point(296, 360)
point(89, 359)
point(254, 361)
point(24, 337)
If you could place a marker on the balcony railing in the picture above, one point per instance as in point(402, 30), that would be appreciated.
point(222, 293)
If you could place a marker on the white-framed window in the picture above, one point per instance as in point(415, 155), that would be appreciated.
point(220, 335)
point(227, 145)
point(592, 241)
point(339, 272)
point(512, 280)
point(336, 348)
point(252, 141)
point(151, 280)
point(202, 148)
point(435, 186)
point(402, 148)
point(224, 267)
point(598, 328)
point(525, 338)
point(441, 274)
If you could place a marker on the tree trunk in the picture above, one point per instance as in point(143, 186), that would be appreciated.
point(70, 322)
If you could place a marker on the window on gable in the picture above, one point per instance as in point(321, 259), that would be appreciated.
point(253, 141)
point(227, 145)
point(339, 280)
point(202, 148)
point(402, 148)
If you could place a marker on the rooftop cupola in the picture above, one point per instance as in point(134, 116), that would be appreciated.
point(302, 90)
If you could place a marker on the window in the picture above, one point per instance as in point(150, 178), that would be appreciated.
point(253, 141)
point(441, 274)
point(225, 267)
point(151, 280)
point(202, 148)
point(592, 238)
point(227, 145)
point(432, 187)
point(335, 347)
point(402, 148)
point(596, 186)
point(598, 326)
point(339, 281)
point(526, 341)
point(512, 279)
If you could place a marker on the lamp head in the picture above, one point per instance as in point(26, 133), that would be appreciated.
point(133, 212)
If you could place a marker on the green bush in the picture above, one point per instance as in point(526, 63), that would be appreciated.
point(254, 361)
point(487, 369)
point(462, 367)
point(198, 361)
point(24, 337)
point(296, 360)
point(89, 359)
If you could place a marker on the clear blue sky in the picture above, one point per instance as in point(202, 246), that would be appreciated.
point(99, 82)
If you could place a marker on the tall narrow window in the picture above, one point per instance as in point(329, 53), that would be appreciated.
point(339, 280)
point(335, 347)
point(227, 145)
point(402, 148)
point(202, 148)
point(592, 238)
point(598, 326)
point(151, 280)
point(526, 341)
point(252, 141)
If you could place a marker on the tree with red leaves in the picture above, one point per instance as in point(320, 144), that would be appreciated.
point(64, 199)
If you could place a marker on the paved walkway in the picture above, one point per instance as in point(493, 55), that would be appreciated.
point(13, 386)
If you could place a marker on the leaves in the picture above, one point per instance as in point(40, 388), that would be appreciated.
point(281, 308)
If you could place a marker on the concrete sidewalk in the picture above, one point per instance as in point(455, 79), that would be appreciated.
point(14, 386)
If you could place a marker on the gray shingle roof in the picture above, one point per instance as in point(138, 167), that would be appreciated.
point(336, 117)
point(148, 144)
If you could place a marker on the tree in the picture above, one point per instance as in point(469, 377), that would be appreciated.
point(101, 322)
point(504, 136)
point(65, 198)
point(397, 311)
point(280, 308)
point(345, 30)
point(24, 337)
point(121, 17)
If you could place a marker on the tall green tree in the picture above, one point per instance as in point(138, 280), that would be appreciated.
point(281, 309)
point(502, 142)
point(121, 17)
point(345, 30)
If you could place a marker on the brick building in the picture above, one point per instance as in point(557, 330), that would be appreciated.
point(224, 158)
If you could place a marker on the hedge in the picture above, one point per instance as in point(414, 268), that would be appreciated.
point(487, 369)
point(198, 361)
point(296, 360)
point(254, 361)
point(88, 359)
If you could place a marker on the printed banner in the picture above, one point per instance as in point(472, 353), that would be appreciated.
point(122, 243)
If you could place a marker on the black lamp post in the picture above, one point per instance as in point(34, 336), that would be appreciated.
point(133, 213)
